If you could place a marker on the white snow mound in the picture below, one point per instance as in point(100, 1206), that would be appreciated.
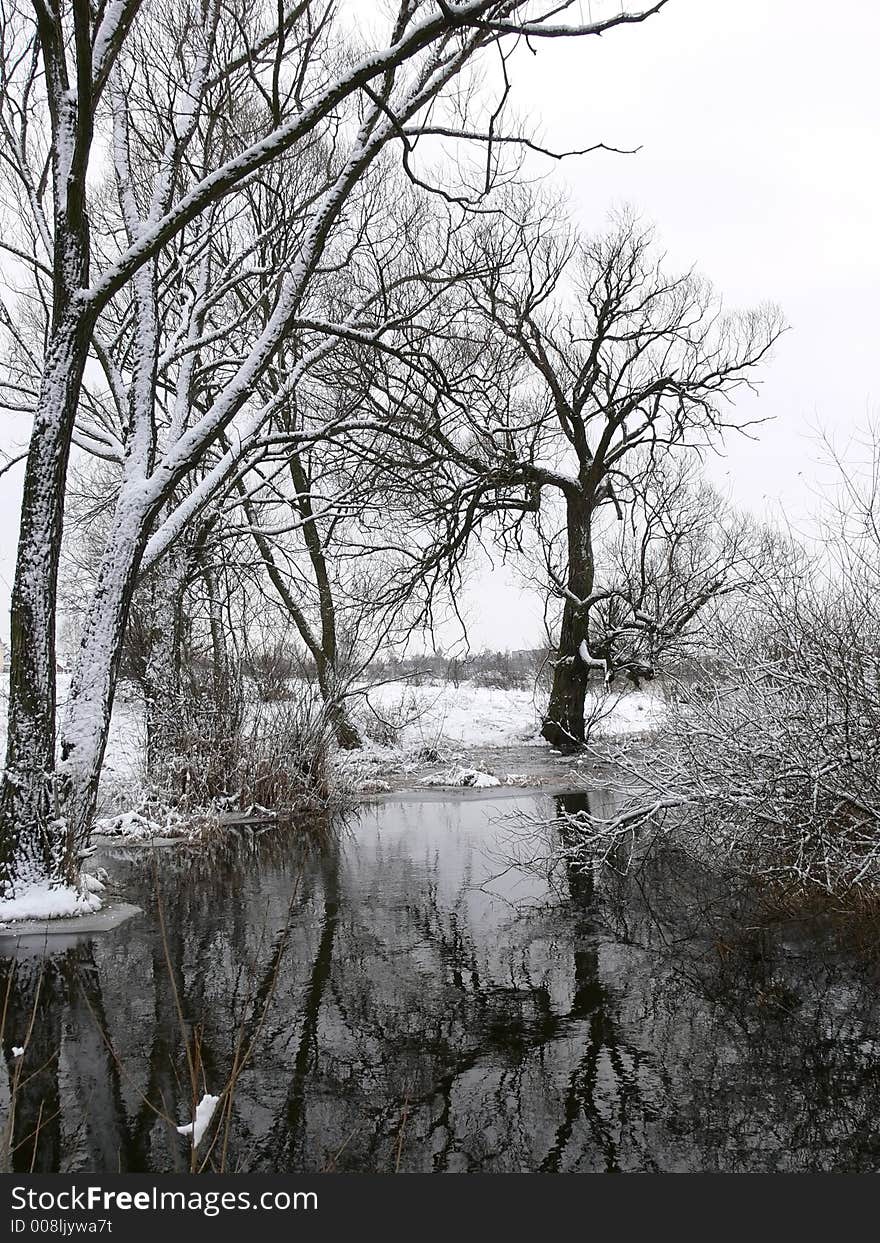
point(204, 1114)
point(471, 777)
point(130, 824)
point(45, 901)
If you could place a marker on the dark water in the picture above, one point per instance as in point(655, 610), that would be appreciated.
point(401, 998)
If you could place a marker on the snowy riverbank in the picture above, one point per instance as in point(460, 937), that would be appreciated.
point(439, 735)
point(416, 737)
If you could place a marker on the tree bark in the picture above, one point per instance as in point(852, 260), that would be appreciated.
point(162, 671)
point(33, 842)
point(86, 723)
point(327, 661)
point(563, 725)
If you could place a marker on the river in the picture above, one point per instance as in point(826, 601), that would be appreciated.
point(400, 994)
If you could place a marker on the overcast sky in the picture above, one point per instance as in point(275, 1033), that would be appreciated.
point(758, 122)
point(759, 126)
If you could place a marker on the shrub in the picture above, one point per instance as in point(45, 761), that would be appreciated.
point(219, 750)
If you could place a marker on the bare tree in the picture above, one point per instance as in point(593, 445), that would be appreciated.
point(155, 81)
point(612, 363)
point(328, 518)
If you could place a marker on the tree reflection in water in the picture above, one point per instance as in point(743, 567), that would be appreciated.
point(418, 1014)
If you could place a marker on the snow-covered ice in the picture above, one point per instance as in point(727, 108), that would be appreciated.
point(60, 902)
point(473, 778)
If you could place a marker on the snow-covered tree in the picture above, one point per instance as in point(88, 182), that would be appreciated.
point(187, 102)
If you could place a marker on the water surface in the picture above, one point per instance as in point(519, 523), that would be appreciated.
point(404, 998)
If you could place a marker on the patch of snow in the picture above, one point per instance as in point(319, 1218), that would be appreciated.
point(472, 778)
point(519, 779)
point(634, 712)
point(43, 901)
point(204, 1114)
point(374, 787)
point(17, 1050)
point(130, 824)
point(470, 716)
point(479, 716)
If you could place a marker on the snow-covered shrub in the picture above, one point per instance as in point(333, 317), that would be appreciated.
point(195, 736)
point(769, 763)
point(237, 751)
point(285, 757)
point(786, 743)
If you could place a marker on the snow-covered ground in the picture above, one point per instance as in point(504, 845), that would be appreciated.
point(400, 722)
point(480, 716)
point(471, 716)
point(471, 736)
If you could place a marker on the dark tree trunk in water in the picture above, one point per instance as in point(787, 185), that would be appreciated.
point(92, 1076)
point(33, 1007)
point(564, 721)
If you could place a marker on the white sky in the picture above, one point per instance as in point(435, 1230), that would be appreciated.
point(759, 126)
point(758, 122)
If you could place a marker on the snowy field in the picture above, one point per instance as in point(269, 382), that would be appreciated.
point(479, 716)
point(472, 736)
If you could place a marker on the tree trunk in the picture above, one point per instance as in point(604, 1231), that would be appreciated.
point(346, 732)
point(564, 721)
point(344, 729)
point(162, 672)
point(86, 723)
point(33, 839)
point(34, 847)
